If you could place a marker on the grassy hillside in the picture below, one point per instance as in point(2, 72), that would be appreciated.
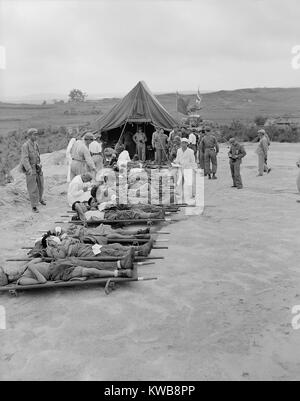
point(244, 104)
point(222, 107)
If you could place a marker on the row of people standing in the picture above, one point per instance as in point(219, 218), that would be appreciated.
point(137, 144)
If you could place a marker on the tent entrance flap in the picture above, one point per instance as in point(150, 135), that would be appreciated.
point(112, 137)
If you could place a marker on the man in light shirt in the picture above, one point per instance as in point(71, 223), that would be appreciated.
point(123, 158)
point(193, 143)
point(78, 190)
point(95, 149)
point(186, 163)
point(82, 161)
point(140, 140)
point(185, 156)
point(262, 153)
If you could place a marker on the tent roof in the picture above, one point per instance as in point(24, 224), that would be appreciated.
point(138, 106)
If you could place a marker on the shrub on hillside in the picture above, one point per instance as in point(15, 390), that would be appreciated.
point(248, 132)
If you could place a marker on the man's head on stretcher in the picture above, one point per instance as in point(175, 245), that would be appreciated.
point(68, 247)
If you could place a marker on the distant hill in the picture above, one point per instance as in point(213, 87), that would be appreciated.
point(222, 107)
point(244, 104)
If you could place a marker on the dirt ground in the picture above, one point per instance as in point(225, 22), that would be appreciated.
point(220, 309)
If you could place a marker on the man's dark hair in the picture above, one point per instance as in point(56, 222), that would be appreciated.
point(94, 191)
point(44, 239)
point(91, 200)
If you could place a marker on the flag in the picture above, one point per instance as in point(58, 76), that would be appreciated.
point(198, 100)
point(182, 105)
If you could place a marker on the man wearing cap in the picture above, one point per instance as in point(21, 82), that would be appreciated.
point(80, 188)
point(82, 161)
point(140, 140)
point(95, 149)
point(262, 153)
point(210, 148)
point(185, 159)
point(31, 166)
point(236, 154)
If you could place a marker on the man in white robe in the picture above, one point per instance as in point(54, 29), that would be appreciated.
point(80, 188)
point(186, 164)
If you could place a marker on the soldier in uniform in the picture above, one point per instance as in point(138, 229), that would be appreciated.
point(140, 140)
point(159, 143)
point(200, 150)
point(236, 153)
point(31, 166)
point(209, 145)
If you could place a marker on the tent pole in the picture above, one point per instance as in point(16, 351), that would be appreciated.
point(127, 118)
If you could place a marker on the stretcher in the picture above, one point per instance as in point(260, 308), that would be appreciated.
point(110, 284)
point(93, 259)
point(135, 242)
point(111, 222)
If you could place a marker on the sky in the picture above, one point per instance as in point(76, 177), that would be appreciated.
point(107, 46)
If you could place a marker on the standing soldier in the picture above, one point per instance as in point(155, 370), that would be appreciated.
point(31, 165)
point(262, 153)
point(159, 143)
point(200, 150)
point(82, 161)
point(236, 153)
point(210, 148)
point(140, 140)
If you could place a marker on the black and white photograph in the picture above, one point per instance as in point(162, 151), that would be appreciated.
point(149, 193)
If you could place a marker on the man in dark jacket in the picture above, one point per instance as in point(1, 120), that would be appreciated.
point(236, 154)
point(210, 147)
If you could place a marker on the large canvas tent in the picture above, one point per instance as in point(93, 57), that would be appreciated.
point(138, 106)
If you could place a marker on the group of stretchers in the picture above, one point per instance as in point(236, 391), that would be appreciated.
point(89, 250)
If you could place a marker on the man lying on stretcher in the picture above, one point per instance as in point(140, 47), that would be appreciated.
point(100, 234)
point(92, 211)
point(39, 272)
point(65, 247)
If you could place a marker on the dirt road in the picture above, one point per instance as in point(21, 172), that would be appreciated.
point(221, 308)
